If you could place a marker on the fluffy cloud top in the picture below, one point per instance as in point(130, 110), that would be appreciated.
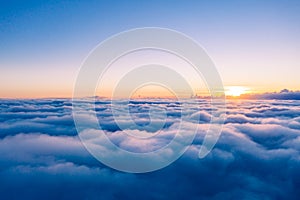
point(256, 157)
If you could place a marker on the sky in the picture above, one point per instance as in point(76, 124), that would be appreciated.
point(253, 44)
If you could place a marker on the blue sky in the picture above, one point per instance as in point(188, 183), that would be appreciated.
point(253, 43)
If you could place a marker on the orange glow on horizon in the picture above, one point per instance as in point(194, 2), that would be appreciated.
point(235, 92)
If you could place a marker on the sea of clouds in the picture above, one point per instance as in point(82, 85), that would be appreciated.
point(256, 157)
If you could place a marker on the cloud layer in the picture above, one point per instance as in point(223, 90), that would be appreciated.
point(284, 94)
point(256, 157)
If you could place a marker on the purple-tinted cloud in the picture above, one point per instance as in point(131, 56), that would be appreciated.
point(284, 94)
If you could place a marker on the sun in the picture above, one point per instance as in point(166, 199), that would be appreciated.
point(235, 91)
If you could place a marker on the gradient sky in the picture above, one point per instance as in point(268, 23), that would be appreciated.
point(253, 43)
